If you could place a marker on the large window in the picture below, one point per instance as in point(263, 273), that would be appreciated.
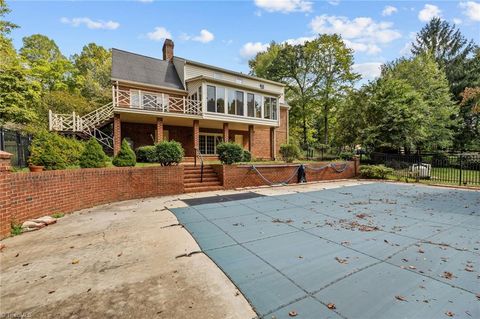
point(270, 108)
point(235, 102)
point(208, 143)
point(254, 105)
point(231, 102)
point(239, 100)
point(215, 99)
point(258, 105)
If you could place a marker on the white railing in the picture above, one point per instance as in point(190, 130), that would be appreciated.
point(160, 102)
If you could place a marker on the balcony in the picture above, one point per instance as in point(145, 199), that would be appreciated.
point(159, 102)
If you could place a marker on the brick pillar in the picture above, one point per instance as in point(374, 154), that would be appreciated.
point(159, 136)
point(272, 143)
point(225, 132)
point(117, 134)
point(196, 134)
point(5, 218)
point(356, 165)
point(250, 138)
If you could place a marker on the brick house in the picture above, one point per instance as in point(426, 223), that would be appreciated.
point(190, 102)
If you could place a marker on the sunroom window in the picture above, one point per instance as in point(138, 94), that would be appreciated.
point(270, 108)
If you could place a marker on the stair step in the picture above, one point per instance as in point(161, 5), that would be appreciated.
point(203, 189)
point(200, 184)
point(197, 179)
point(194, 174)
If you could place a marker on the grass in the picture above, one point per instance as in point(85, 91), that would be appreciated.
point(57, 215)
point(441, 175)
point(16, 229)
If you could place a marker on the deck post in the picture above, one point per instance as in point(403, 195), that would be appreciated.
point(117, 134)
point(196, 135)
point(159, 136)
point(225, 132)
point(250, 138)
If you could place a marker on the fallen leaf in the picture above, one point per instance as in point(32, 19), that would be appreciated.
point(401, 298)
point(51, 291)
point(421, 251)
point(300, 257)
point(18, 254)
point(75, 261)
point(119, 254)
point(469, 269)
point(405, 260)
point(292, 313)
point(26, 264)
point(447, 275)
point(412, 267)
point(478, 296)
point(341, 261)
point(331, 306)
point(449, 313)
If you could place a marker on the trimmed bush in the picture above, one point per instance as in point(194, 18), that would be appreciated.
point(375, 171)
point(93, 155)
point(169, 152)
point(229, 153)
point(247, 156)
point(46, 150)
point(126, 156)
point(147, 154)
point(346, 156)
point(72, 149)
point(289, 152)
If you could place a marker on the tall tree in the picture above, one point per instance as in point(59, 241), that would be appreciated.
point(46, 62)
point(93, 66)
point(5, 26)
point(429, 80)
point(469, 133)
point(316, 73)
point(448, 46)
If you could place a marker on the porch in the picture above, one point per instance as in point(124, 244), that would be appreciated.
point(193, 134)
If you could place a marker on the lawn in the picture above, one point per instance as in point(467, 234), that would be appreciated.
point(441, 175)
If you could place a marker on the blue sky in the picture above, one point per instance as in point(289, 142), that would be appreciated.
point(227, 33)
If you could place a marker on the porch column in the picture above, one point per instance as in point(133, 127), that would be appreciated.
point(159, 136)
point(196, 134)
point(117, 134)
point(250, 138)
point(272, 143)
point(225, 132)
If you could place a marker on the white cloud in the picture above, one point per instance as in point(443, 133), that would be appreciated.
point(334, 2)
point(297, 41)
point(471, 9)
point(429, 12)
point(407, 48)
point(284, 6)
point(389, 10)
point(159, 33)
point(91, 24)
point(250, 49)
point(369, 70)
point(368, 48)
point(457, 21)
point(205, 36)
point(145, 1)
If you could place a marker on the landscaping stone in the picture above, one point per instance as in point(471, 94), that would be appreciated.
point(30, 225)
point(47, 220)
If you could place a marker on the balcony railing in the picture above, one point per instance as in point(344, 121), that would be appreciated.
point(160, 102)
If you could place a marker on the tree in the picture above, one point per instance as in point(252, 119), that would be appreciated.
point(429, 80)
point(93, 66)
point(395, 113)
point(5, 26)
point(469, 133)
point(47, 64)
point(351, 117)
point(316, 73)
point(448, 46)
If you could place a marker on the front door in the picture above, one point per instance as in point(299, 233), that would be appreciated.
point(239, 140)
point(209, 142)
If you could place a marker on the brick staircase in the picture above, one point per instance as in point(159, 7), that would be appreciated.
point(192, 183)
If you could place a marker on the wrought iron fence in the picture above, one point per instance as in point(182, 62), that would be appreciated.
point(17, 144)
point(447, 168)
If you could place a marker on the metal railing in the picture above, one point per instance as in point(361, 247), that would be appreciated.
point(447, 168)
point(200, 157)
point(160, 102)
point(17, 144)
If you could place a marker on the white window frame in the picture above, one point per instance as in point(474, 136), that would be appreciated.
point(214, 142)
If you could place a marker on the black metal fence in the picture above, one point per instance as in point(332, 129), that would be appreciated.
point(17, 144)
point(447, 168)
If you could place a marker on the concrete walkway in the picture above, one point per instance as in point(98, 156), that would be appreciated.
point(119, 261)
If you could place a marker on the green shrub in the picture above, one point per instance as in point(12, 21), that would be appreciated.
point(169, 152)
point(346, 156)
point(72, 149)
point(375, 171)
point(93, 155)
point(147, 154)
point(16, 229)
point(289, 152)
point(46, 151)
point(229, 153)
point(247, 156)
point(126, 156)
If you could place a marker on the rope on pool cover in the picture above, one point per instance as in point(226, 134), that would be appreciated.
point(272, 183)
point(315, 169)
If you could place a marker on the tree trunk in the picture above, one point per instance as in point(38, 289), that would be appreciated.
point(325, 123)
point(304, 131)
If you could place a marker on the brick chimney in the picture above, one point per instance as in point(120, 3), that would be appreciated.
point(167, 50)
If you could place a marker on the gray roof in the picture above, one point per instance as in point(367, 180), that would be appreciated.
point(146, 70)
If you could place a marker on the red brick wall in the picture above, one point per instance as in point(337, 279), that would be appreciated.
point(29, 195)
point(139, 134)
point(237, 176)
point(261, 143)
point(282, 131)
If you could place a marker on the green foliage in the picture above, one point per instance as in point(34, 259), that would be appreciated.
point(54, 151)
point(375, 171)
point(346, 156)
point(169, 152)
point(469, 134)
point(5, 26)
point(16, 229)
point(93, 155)
point(58, 215)
point(289, 152)
point(147, 154)
point(229, 153)
point(125, 157)
point(247, 156)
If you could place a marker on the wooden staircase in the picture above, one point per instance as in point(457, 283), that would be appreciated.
point(192, 179)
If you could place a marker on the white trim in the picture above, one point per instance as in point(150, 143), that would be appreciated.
point(120, 82)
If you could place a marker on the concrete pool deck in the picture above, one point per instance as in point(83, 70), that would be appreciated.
point(120, 261)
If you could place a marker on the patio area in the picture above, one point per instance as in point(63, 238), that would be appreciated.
point(379, 250)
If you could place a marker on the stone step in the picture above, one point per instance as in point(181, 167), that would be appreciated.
point(205, 174)
point(196, 179)
point(203, 189)
point(201, 184)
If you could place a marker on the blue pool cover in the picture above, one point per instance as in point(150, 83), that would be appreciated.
point(379, 250)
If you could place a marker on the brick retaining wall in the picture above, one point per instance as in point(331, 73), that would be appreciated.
point(25, 196)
